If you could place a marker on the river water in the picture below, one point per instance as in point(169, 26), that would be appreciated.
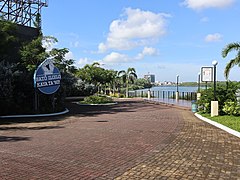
point(167, 94)
point(173, 88)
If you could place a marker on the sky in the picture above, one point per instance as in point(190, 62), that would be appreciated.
point(164, 38)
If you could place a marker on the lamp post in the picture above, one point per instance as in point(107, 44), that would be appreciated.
point(199, 74)
point(177, 93)
point(177, 82)
point(214, 63)
point(214, 104)
point(198, 92)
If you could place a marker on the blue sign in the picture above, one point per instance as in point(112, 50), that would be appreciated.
point(47, 77)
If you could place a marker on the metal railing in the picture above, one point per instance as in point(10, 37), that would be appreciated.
point(189, 96)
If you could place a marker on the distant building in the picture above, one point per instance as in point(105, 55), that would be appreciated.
point(150, 77)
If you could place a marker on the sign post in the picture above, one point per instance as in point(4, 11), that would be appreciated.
point(46, 78)
point(207, 74)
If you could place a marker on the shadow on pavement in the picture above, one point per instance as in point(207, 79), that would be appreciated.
point(82, 111)
point(6, 128)
point(13, 139)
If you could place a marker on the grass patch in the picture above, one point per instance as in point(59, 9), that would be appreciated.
point(232, 122)
point(97, 100)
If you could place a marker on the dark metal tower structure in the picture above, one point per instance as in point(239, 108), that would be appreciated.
point(23, 12)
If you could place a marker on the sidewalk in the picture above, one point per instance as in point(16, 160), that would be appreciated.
point(172, 102)
point(130, 140)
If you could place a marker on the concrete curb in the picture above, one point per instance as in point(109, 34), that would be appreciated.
point(225, 128)
point(106, 104)
point(36, 115)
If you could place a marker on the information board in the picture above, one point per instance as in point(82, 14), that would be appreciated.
point(207, 74)
point(47, 77)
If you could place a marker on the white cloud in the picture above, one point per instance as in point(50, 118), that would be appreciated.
point(48, 43)
point(204, 4)
point(82, 62)
point(213, 37)
point(115, 57)
point(69, 55)
point(136, 28)
point(75, 44)
point(147, 51)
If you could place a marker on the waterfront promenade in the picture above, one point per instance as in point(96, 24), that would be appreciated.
point(131, 140)
point(171, 102)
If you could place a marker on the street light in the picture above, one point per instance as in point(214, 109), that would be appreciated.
point(214, 63)
point(177, 82)
point(199, 74)
point(177, 93)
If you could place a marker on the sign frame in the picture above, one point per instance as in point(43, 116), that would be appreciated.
point(207, 74)
point(47, 77)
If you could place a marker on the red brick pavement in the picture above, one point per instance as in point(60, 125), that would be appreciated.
point(129, 141)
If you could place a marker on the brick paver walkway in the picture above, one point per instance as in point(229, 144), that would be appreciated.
point(131, 140)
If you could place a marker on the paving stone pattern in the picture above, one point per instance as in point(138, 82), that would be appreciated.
point(131, 140)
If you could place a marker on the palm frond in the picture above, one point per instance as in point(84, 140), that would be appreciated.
point(230, 47)
point(121, 72)
point(230, 65)
point(129, 70)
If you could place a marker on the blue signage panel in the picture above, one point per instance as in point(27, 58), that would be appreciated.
point(47, 77)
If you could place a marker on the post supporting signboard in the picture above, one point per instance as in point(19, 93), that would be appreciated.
point(46, 78)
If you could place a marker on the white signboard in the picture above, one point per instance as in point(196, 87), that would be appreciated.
point(207, 74)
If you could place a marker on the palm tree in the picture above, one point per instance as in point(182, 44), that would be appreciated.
point(128, 77)
point(235, 61)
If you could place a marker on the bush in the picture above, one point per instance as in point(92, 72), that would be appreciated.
point(231, 108)
point(97, 99)
point(224, 93)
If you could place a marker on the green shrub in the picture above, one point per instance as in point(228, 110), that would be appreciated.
point(122, 96)
point(97, 99)
point(231, 108)
point(224, 93)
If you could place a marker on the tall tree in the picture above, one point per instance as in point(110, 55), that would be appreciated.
point(9, 43)
point(59, 56)
point(91, 74)
point(128, 77)
point(233, 62)
point(33, 53)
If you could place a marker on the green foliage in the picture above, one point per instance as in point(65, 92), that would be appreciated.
point(233, 62)
point(32, 54)
point(91, 73)
point(99, 77)
point(128, 77)
point(97, 99)
point(232, 122)
point(231, 108)
point(141, 83)
point(63, 64)
point(224, 93)
point(9, 43)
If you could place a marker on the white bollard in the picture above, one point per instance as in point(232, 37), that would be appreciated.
point(149, 94)
point(177, 96)
point(198, 96)
point(214, 108)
